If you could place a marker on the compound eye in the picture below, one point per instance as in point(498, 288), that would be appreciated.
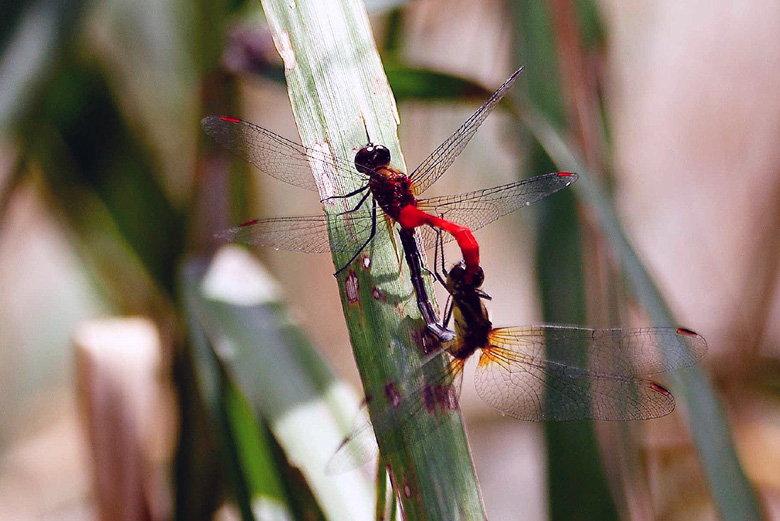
point(456, 275)
point(364, 159)
point(478, 278)
point(381, 155)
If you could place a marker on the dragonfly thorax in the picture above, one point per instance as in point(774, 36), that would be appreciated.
point(472, 326)
point(472, 323)
point(392, 190)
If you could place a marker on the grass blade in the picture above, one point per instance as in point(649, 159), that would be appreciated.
point(576, 476)
point(275, 369)
point(336, 85)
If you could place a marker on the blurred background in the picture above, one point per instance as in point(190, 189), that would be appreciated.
point(107, 187)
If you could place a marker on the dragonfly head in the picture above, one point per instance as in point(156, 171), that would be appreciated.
point(459, 281)
point(371, 157)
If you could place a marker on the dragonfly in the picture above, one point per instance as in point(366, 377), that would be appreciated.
point(534, 373)
point(392, 195)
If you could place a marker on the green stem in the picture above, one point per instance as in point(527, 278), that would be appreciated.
point(336, 84)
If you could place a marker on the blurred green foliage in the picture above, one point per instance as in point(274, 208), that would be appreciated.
point(100, 169)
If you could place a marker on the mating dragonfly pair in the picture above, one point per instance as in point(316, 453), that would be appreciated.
point(532, 373)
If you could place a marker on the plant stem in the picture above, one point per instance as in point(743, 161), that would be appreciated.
point(337, 85)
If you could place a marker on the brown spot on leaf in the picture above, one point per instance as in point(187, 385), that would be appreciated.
point(352, 287)
point(439, 398)
point(378, 295)
point(392, 395)
point(447, 397)
point(416, 336)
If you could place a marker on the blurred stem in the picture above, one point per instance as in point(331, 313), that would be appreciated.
point(199, 472)
point(228, 399)
point(255, 345)
point(576, 478)
point(581, 103)
point(731, 490)
point(213, 195)
point(9, 185)
point(579, 90)
point(29, 52)
point(381, 491)
point(117, 270)
point(336, 85)
point(80, 120)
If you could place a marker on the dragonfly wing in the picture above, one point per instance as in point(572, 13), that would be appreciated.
point(549, 392)
point(624, 352)
point(432, 391)
point(431, 395)
point(355, 450)
point(561, 373)
point(307, 234)
point(275, 155)
point(441, 158)
point(481, 207)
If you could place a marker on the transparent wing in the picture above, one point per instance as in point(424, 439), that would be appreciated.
point(626, 352)
point(481, 207)
point(545, 373)
point(305, 234)
point(275, 155)
point(431, 397)
point(357, 449)
point(441, 158)
point(308, 234)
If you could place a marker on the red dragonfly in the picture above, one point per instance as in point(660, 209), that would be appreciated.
point(394, 194)
point(537, 373)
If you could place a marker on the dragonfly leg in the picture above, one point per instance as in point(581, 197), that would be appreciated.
point(447, 312)
point(438, 254)
point(345, 196)
point(370, 236)
point(357, 206)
